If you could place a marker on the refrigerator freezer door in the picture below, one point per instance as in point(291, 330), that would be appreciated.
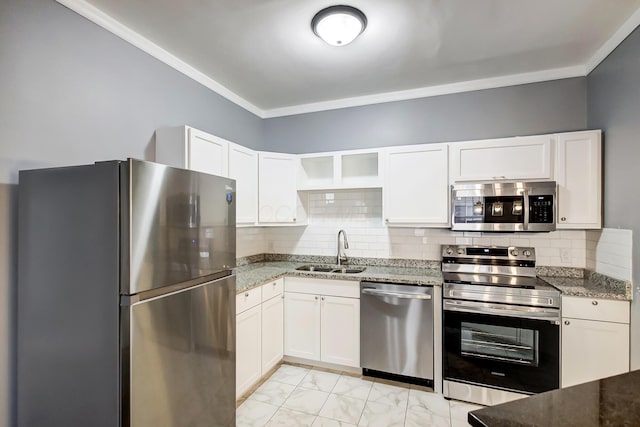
point(181, 359)
point(177, 225)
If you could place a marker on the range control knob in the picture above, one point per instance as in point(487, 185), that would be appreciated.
point(526, 253)
point(449, 251)
point(460, 251)
point(515, 252)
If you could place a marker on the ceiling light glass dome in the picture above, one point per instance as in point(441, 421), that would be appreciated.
point(339, 25)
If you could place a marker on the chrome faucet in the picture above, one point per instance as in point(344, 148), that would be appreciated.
point(342, 257)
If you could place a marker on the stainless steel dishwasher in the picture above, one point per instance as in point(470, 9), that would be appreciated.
point(396, 331)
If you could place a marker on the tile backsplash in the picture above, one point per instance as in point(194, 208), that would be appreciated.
point(359, 213)
point(609, 252)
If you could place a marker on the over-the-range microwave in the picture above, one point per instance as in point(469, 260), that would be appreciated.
point(504, 206)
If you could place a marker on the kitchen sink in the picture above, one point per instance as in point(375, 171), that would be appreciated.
point(349, 270)
point(316, 268)
point(330, 269)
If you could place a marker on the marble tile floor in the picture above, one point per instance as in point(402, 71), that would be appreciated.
point(303, 396)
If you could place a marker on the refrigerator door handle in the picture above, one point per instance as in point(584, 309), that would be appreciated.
point(127, 300)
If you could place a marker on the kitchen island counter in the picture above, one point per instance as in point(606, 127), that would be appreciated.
point(613, 401)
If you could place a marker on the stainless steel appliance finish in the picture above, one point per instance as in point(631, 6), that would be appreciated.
point(396, 330)
point(501, 336)
point(341, 257)
point(182, 353)
point(504, 206)
point(126, 299)
point(177, 226)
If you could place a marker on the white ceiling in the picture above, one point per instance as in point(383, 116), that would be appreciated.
point(263, 55)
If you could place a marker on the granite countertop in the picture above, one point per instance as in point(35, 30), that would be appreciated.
point(260, 269)
point(592, 285)
point(613, 401)
point(253, 275)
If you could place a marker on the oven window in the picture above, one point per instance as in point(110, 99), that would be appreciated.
point(515, 345)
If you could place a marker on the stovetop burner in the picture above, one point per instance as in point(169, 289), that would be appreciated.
point(496, 274)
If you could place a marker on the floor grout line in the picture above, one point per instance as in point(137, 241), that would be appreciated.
point(330, 393)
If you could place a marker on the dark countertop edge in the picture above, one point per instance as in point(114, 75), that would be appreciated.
point(616, 397)
point(474, 420)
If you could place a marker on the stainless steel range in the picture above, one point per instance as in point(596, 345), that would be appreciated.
point(501, 333)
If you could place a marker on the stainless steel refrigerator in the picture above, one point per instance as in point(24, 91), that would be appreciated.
point(126, 297)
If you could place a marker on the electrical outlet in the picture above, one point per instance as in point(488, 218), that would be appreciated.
point(565, 255)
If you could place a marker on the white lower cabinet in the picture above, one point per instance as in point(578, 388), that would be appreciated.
point(595, 339)
point(322, 320)
point(302, 325)
point(259, 333)
point(248, 349)
point(340, 330)
point(272, 332)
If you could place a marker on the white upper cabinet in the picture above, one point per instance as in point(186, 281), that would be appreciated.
point(579, 178)
point(277, 194)
point(189, 148)
point(416, 190)
point(525, 158)
point(339, 170)
point(243, 167)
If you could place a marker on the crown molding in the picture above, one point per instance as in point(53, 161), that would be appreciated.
point(105, 21)
point(425, 92)
point(100, 18)
point(618, 37)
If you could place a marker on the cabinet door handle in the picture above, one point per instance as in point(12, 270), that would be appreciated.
point(566, 322)
point(564, 218)
point(322, 298)
point(246, 295)
point(594, 302)
point(316, 298)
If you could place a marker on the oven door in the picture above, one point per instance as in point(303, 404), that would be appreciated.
point(517, 350)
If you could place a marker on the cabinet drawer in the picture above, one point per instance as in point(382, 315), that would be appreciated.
point(595, 309)
point(272, 289)
point(248, 299)
point(337, 288)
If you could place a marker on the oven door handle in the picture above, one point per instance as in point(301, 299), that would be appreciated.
point(379, 293)
point(533, 313)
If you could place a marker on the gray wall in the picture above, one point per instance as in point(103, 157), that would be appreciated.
point(537, 108)
point(614, 105)
point(73, 93)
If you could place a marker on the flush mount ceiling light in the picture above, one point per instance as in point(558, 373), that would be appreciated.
point(339, 25)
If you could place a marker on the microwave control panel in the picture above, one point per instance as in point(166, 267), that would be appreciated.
point(541, 209)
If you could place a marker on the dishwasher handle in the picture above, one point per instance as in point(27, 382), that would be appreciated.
point(406, 295)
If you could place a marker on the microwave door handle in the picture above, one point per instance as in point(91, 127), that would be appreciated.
point(525, 196)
